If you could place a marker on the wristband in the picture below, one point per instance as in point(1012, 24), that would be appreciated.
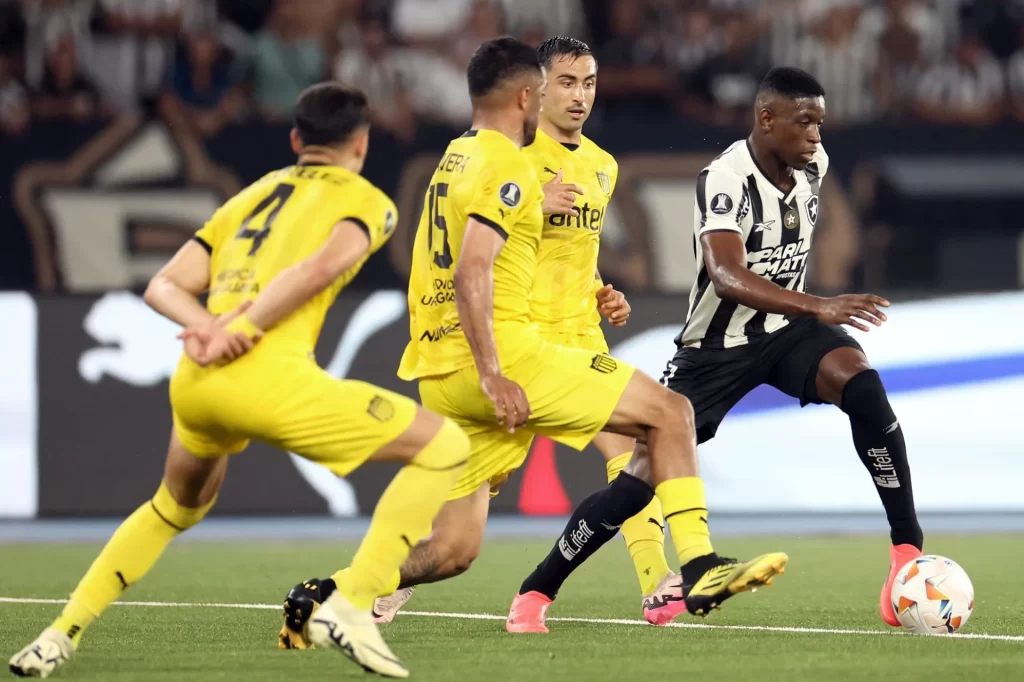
point(242, 324)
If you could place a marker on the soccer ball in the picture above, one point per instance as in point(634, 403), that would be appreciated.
point(932, 595)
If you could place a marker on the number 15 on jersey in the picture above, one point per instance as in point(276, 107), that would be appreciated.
point(443, 257)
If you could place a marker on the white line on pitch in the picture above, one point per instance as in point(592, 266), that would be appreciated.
point(595, 621)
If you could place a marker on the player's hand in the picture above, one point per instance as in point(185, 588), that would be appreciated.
point(560, 197)
point(612, 304)
point(850, 308)
point(214, 344)
point(510, 403)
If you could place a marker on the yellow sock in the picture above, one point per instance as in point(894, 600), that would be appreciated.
point(644, 535)
point(686, 512)
point(404, 516)
point(129, 554)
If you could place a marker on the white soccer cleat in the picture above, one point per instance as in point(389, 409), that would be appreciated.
point(339, 625)
point(51, 649)
point(386, 608)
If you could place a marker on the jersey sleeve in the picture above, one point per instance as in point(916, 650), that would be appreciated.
point(211, 233)
point(502, 190)
point(723, 202)
point(377, 215)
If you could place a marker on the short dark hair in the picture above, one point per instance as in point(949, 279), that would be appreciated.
point(562, 46)
point(329, 113)
point(791, 83)
point(499, 60)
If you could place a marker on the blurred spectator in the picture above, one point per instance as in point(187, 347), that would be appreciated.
point(65, 92)
point(631, 60)
point(845, 66)
point(965, 88)
point(285, 59)
point(694, 39)
point(14, 111)
point(905, 17)
point(428, 21)
point(544, 17)
point(1015, 76)
point(199, 94)
point(721, 90)
point(373, 67)
point(46, 22)
point(133, 46)
point(485, 22)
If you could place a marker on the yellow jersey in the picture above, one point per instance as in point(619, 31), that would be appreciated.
point(562, 299)
point(482, 175)
point(279, 221)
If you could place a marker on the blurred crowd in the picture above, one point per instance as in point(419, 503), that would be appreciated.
point(207, 63)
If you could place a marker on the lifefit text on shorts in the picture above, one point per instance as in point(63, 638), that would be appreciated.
point(885, 471)
point(572, 542)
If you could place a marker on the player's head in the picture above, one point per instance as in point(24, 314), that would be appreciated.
point(505, 75)
point(789, 111)
point(332, 120)
point(572, 76)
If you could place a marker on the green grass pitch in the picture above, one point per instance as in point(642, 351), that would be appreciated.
point(832, 583)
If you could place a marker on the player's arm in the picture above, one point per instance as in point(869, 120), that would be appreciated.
point(725, 258)
point(173, 292)
point(474, 291)
point(474, 299)
point(347, 244)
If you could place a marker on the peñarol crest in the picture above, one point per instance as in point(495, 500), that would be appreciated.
point(605, 182)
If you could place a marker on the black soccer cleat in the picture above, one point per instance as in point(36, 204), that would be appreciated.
point(299, 605)
point(710, 579)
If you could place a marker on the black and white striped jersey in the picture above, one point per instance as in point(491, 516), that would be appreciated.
point(734, 195)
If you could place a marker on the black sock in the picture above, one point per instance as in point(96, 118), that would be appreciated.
point(593, 523)
point(878, 437)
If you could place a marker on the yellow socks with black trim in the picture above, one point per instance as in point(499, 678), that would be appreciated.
point(129, 554)
point(686, 513)
point(644, 535)
point(404, 516)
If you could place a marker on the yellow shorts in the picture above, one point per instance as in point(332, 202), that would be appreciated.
point(591, 339)
point(572, 394)
point(288, 402)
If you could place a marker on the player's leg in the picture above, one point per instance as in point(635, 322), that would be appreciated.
point(665, 420)
point(826, 365)
point(348, 423)
point(643, 533)
point(188, 491)
point(450, 549)
point(573, 395)
point(714, 382)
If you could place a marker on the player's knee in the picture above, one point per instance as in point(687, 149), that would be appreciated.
point(865, 400)
point(448, 450)
point(640, 464)
point(463, 558)
point(176, 514)
point(454, 554)
point(676, 412)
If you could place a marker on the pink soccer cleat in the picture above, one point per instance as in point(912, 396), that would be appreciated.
point(527, 613)
point(386, 608)
point(666, 601)
point(899, 555)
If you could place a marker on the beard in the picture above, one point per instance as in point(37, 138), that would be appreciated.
point(529, 132)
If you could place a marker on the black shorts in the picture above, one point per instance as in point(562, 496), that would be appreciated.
point(715, 380)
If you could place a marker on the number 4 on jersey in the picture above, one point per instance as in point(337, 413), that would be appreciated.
point(275, 199)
